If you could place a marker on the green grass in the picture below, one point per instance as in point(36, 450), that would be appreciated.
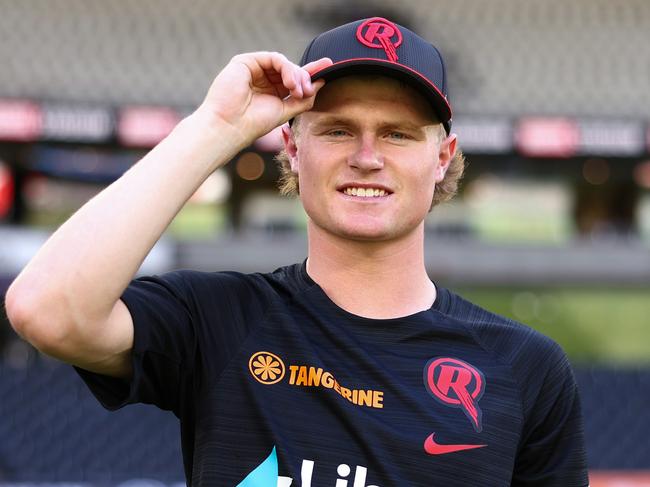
point(193, 221)
point(198, 221)
point(608, 325)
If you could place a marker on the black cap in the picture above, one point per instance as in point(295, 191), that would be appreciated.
point(378, 46)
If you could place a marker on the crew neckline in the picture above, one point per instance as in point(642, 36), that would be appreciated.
point(440, 304)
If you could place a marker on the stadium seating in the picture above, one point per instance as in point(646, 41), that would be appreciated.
point(53, 430)
point(585, 57)
point(617, 424)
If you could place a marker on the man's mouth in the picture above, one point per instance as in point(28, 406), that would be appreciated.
point(365, 192)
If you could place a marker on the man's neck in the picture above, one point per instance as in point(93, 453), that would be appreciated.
point(371, 279)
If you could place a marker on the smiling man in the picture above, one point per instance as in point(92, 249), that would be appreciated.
point(352, 369)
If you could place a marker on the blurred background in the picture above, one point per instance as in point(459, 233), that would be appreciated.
point(552, 225)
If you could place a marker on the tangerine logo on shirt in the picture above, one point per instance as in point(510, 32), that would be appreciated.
point(266, 367)
point(457, 384)
point(306, 376)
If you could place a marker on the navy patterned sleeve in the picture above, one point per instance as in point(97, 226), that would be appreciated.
point(176, 316)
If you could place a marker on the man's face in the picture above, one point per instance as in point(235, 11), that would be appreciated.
point(368, 156)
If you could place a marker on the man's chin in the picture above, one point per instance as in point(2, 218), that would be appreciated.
point(360, 233)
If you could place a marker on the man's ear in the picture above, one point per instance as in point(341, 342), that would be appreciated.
point(445, 156)
point(289, 139)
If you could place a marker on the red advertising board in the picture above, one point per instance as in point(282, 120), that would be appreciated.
point(619, 479)
point(548, 137)
point(145, 126)
point(20, 120)
point(6, 190)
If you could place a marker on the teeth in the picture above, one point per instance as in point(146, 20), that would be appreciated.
point(365, 192)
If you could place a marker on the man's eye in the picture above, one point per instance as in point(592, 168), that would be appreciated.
point(398, 136)
point(337, 133)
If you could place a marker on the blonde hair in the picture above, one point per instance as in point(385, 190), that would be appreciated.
point(445, 189)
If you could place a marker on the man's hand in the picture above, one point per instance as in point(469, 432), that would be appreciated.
point(257, 92)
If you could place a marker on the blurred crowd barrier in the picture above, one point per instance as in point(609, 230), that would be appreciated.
point(619, 479)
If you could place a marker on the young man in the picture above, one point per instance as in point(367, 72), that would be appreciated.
point(350, 370)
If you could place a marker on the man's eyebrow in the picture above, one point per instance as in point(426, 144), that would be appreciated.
point(332, 120)
point(404, 124)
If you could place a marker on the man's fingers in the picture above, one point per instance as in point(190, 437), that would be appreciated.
point(317, 65)
point(296, 106)
point(280, 64)
point(271, 65)
point(295, 79)
point(298, 91)
point(318, 84)
point(290, 73)
point(311, 68)
point(304, 86)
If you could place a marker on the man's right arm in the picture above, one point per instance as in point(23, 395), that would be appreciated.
point(66, 301)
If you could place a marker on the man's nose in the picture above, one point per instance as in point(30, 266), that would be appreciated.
point(367, 155)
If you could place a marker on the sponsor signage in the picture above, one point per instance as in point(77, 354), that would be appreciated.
point(484, 135)
point(20, 120)
point(547, 137)
point(145, 126)
point(77, 123)
point(268, 369)
point(611, 138)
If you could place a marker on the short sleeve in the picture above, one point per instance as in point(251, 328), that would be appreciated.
point(552, 451)
point(187, 325)
point(164, 346)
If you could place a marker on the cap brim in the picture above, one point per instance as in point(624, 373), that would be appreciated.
point(387, 68)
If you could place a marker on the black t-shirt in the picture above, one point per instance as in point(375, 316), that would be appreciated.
point(275, 385)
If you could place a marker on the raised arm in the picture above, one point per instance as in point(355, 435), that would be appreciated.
point(66, 301)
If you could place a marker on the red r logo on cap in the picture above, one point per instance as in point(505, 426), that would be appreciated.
point(380, 33)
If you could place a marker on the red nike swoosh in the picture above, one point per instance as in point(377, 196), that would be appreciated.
point(433, 448)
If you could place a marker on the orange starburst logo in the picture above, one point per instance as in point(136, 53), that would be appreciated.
point(266, 367)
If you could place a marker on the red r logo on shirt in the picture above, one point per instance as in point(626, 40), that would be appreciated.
point(457, 384)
